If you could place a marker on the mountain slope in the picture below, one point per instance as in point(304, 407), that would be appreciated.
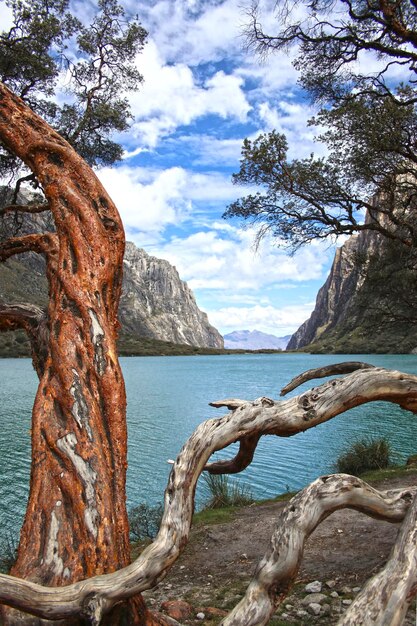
point(367, 304)
point(254, 340)
point(155, 304)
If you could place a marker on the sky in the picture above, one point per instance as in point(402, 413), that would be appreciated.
point(203, 93)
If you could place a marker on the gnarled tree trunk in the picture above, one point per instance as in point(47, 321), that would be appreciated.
point(76, 522)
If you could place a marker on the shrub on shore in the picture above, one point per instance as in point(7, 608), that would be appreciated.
point(365, 455)
point(225, 493)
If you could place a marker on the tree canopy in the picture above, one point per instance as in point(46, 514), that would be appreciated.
point(367, 123)
point(74, 74)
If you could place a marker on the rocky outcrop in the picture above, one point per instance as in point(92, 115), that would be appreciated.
point(368, 301)
point(157, 303)
point(335, 298)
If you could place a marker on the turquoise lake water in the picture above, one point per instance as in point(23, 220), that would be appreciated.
point(168, 397)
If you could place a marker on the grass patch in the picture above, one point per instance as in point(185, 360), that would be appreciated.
point(365, 455)
point(225, 493)
point(215, 516)
point(389, 472)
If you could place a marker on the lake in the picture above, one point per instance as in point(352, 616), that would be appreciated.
point(168, 397)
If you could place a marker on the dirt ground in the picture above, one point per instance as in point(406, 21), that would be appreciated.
point(347, 548)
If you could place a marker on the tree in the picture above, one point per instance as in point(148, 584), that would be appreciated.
point(369, 121)
point(73, 558)
point(384, 599)
point(76, 521)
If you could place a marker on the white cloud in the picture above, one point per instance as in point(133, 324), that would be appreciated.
point(148, 205)
point(212, 150)
point(290, 118)
point(6, 16)
point(277, 321)
point(151, 200)
point(225, 259)
point(194, 31)
point(172, 96)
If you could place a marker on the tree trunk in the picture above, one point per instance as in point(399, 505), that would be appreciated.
point(76, 521)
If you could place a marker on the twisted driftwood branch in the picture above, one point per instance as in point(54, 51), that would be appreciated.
point(278, 569)
point(241, 461)
point(94, 597)
point(385, 598)
point(321, 372)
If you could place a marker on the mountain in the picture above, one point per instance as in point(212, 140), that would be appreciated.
point(155, 303)
point(254, 340)
point(368, 302)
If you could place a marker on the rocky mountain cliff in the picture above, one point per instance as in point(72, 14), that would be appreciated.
point(367, 303)
point(155, 304)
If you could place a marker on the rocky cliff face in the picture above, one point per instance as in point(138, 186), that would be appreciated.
point(157, 303)
point(334, 299)
point(365, 304)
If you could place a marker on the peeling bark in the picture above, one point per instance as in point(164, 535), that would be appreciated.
point(76, 522)
point(94, 597)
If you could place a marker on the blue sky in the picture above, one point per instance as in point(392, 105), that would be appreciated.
point(203, 94)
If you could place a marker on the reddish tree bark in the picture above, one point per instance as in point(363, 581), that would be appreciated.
point(76, 523)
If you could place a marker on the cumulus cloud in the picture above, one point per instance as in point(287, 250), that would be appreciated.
point(277, 321)
point(193, 32)
point(148, 201)
point(173, 96)
point(224, 258)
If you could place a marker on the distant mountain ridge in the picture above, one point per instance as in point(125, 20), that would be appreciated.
point(254, 340)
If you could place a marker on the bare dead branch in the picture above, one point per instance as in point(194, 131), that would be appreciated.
point(241, 461)
point(321, 372)
point(278, 569)
point(96, 596)
point(386, 597)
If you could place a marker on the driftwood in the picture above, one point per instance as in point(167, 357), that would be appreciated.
point(321, 372)
point(390, 594)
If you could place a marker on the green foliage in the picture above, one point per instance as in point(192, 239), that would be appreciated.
point(370, 121)
point(144, 521)
point(225, 493)
point(47, 43)
point(365, 455)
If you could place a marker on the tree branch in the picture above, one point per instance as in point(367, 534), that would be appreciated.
point(33, 320)
point(386, 597)
point(241, 461)
point(97, 595)
point(45, 243)
point(24, 208)
point(321, 372)
point(278, 569)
